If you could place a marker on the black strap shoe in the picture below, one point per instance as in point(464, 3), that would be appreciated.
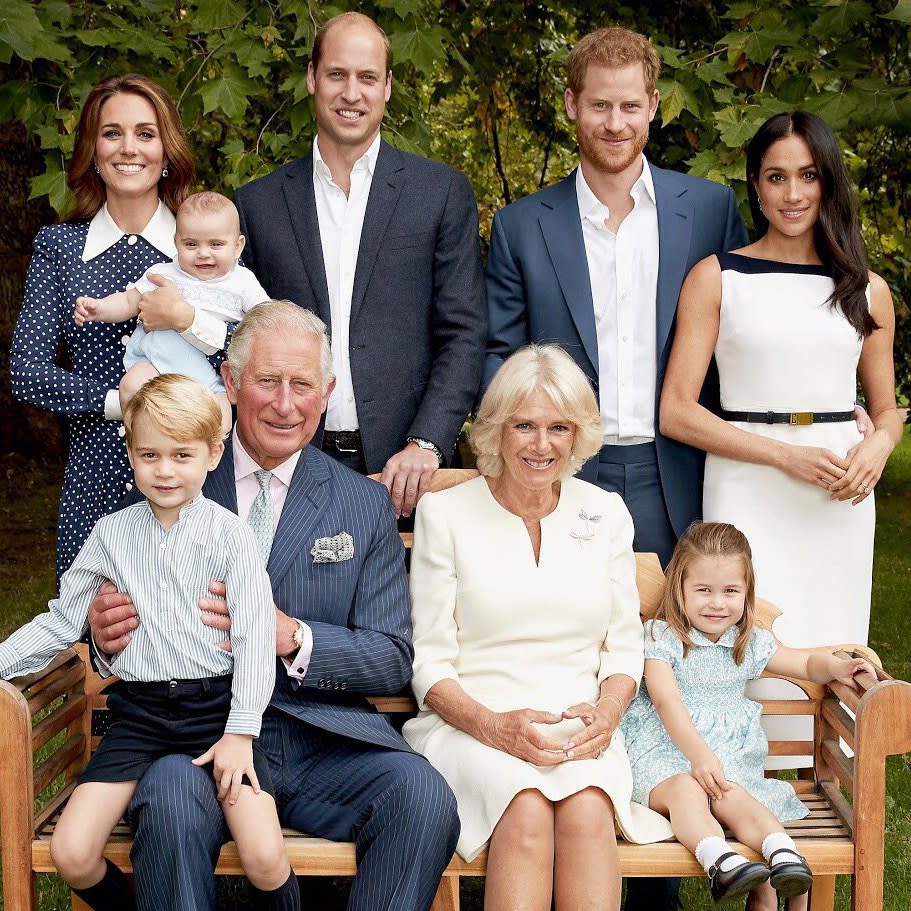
point(790, 877)
point(736, 882)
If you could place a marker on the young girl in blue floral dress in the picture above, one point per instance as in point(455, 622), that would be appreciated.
point(692, 734)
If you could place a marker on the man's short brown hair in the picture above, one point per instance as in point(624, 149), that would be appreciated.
point(351, 18)
point(612, 47)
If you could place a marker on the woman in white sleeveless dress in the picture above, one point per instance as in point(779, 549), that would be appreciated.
point(794, 320)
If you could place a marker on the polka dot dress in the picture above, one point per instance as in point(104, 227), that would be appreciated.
point(97, 472)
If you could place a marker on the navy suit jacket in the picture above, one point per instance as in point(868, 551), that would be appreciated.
point(418, 321)
point(539, 290)
point(358, 609)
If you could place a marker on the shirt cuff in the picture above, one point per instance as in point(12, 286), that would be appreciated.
point(297, 664)
point(112, 410)
point(102, 664)
point(207, 333)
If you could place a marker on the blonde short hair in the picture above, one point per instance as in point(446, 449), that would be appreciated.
point(547, 369)
point(208, 201)
point(179, 407)
point(612, 47)
point(278, 318)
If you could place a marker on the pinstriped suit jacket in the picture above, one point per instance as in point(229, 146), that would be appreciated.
point(358, 609)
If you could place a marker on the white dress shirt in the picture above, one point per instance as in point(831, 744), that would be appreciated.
point(623, 269)
point(341, 220)
point(247, 488)
point(207, 332)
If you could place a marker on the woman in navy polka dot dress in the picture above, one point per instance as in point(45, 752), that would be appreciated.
point(131, 168)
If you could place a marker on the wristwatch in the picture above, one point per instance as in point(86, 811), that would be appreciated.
point(426, 444)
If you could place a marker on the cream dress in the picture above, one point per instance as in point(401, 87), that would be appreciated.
point(515, 634)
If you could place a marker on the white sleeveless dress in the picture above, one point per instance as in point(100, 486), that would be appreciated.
point(782, 347)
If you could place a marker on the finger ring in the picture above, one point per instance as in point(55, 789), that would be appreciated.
point(863, 488)
point(601, 752)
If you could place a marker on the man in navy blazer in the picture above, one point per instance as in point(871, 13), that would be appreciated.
point(595, 264)
point(383, 245)
point(336, 564)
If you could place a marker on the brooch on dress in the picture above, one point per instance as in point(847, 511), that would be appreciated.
point(587, 530)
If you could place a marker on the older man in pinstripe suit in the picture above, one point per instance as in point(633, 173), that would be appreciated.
point(336, 565)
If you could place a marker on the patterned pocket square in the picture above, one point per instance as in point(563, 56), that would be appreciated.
point(333, 550)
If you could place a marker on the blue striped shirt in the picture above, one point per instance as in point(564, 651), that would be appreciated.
point(166, 571)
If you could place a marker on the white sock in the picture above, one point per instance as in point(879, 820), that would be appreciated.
point(711, 848)
point(775, 842)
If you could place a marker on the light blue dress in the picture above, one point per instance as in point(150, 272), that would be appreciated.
point(712, 688)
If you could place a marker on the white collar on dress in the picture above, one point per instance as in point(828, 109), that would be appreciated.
point(104, 233)
point(728, 638)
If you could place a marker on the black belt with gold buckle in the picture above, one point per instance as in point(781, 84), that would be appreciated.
point(343, 440)
point(795, 418)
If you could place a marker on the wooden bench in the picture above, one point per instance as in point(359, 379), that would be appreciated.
point(47, 735)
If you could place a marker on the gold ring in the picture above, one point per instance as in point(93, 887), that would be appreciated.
point(863, 488)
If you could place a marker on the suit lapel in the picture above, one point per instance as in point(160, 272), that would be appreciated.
point(301, 202)
point(308, 497)
point(562, 229)
point(675, 225)
point(385, 188)
point(219, 484)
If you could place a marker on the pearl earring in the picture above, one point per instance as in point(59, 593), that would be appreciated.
point(95, 166)
point(164, 172)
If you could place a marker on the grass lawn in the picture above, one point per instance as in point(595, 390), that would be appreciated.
point(28, 499)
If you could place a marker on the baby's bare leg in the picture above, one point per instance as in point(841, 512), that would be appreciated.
point(226, 418)
point(134, 379)
point(682, 800)
point(254, 825)
point(77, 845)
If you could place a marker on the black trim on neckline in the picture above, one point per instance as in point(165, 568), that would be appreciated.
point(751, 265)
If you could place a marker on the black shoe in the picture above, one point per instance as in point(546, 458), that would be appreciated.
point(736, 882)
point(791, 878)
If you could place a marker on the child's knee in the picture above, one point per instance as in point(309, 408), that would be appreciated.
point(74, 858)
point(265, 863)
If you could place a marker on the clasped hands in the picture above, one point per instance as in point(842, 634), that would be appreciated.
point(518, 733)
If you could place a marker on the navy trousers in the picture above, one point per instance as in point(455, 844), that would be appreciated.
point(392, 804)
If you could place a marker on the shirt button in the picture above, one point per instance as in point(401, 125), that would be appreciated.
point(124, 340)
point(129, 485)
point(121, 431)
point(625, 338)
point(162, 584)
point(131, 240)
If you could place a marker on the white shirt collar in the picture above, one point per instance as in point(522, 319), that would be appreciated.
point(245, 464)
point(104, 233)
point(728, 638)
point(367, 160)
point(591, 207)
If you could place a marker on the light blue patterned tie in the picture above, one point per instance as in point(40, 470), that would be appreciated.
point(260, 517)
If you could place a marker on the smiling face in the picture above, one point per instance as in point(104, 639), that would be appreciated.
point(208, 242)
point(279, 396)
point(129, 153)
point(612, 114)
point(789, 187)
point(535, 445)
point(350, 87)
point(169, 472)
point(714, 593)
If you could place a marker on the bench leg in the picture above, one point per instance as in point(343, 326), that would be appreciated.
point(447, 897)
point(822, 897)
point(77, 903)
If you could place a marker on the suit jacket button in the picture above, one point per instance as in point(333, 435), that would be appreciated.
point(321, 683)
point(344, 685)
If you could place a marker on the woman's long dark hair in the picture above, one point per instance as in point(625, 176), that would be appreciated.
point(837, 230)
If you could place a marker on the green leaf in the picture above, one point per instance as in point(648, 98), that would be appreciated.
point(52, 183)
point(215, 14)
point(229, 92)
point(735, 125)
point(670, 56)
point(762, 43)
point(739, 11)
point(901, 13)
point(675, 97)
point(296, 83)
point(840, 19)
point(423, 47)
point(22, 32)
point(405, 8)
point(712, 71)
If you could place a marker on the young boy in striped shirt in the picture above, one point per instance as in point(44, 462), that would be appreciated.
point(180, 690)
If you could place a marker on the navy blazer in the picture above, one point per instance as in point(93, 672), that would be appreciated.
point(418, 321)
point(358, 609)
point(538, 289)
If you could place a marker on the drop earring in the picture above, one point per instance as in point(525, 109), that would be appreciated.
point(95, 166)
point(164, 172)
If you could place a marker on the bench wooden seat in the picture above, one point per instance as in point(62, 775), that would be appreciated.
point(49, 724)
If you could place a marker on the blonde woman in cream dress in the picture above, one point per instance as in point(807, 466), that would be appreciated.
point(528, 645)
